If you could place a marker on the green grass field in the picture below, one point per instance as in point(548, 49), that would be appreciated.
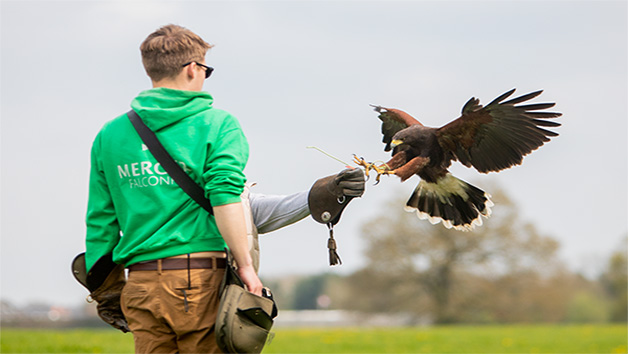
point(444, 339)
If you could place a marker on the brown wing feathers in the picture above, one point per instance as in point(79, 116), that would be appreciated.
point(393, 120)
point(497, 136)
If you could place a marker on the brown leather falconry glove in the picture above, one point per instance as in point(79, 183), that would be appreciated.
point(105, 282)
point(329, 196)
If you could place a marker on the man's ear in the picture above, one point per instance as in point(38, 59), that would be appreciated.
point(190, 70)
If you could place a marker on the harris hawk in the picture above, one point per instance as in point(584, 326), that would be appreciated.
point(489, 138)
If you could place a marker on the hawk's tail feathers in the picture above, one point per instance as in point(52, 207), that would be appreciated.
point(456, 203)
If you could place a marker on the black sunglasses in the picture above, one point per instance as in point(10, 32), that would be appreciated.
point(208, 69)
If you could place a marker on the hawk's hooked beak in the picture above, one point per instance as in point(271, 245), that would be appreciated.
point(396, 143)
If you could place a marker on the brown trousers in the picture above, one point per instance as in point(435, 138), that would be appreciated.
point(168, 315)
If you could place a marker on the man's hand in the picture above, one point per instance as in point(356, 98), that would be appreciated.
point(251, 280)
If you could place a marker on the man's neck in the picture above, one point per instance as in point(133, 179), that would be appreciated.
point(170, 85)
point(184, 85)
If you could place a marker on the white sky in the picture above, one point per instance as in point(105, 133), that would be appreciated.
point(303, 73)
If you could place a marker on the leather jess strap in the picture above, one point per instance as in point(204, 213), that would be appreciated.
point(179, 264)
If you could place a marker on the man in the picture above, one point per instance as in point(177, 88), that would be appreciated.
point(138, 217)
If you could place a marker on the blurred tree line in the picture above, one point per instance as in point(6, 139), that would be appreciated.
point(502, 272)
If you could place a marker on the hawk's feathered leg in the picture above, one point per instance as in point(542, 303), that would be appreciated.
point(411, 168)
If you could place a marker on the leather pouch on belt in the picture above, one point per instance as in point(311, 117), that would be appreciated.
point(104, 281)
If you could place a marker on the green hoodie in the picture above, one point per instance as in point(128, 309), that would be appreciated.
point(135, 209)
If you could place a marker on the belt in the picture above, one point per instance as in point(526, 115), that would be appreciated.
point(180, 263)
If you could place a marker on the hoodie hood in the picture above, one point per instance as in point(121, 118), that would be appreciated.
point(161, 107)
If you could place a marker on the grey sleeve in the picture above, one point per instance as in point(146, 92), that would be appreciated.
point(272, 212)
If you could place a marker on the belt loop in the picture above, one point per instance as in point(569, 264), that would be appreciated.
point(214, 264)
point(159, 264)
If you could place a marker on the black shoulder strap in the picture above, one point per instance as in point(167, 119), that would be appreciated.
point(167, 162)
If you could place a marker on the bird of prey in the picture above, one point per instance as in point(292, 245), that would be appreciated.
point(489, 138)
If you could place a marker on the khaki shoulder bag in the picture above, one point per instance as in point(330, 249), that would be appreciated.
point(244, 319)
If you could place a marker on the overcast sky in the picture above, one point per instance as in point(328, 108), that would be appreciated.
point(303, 73)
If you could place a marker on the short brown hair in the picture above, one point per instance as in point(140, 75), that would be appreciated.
point(166, 50)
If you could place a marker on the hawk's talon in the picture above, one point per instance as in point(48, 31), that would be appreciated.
point(382, 169)
point(380, 173)
point(361, 162)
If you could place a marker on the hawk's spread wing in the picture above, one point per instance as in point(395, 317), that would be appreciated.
point(497, 136)
point(393, 120)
